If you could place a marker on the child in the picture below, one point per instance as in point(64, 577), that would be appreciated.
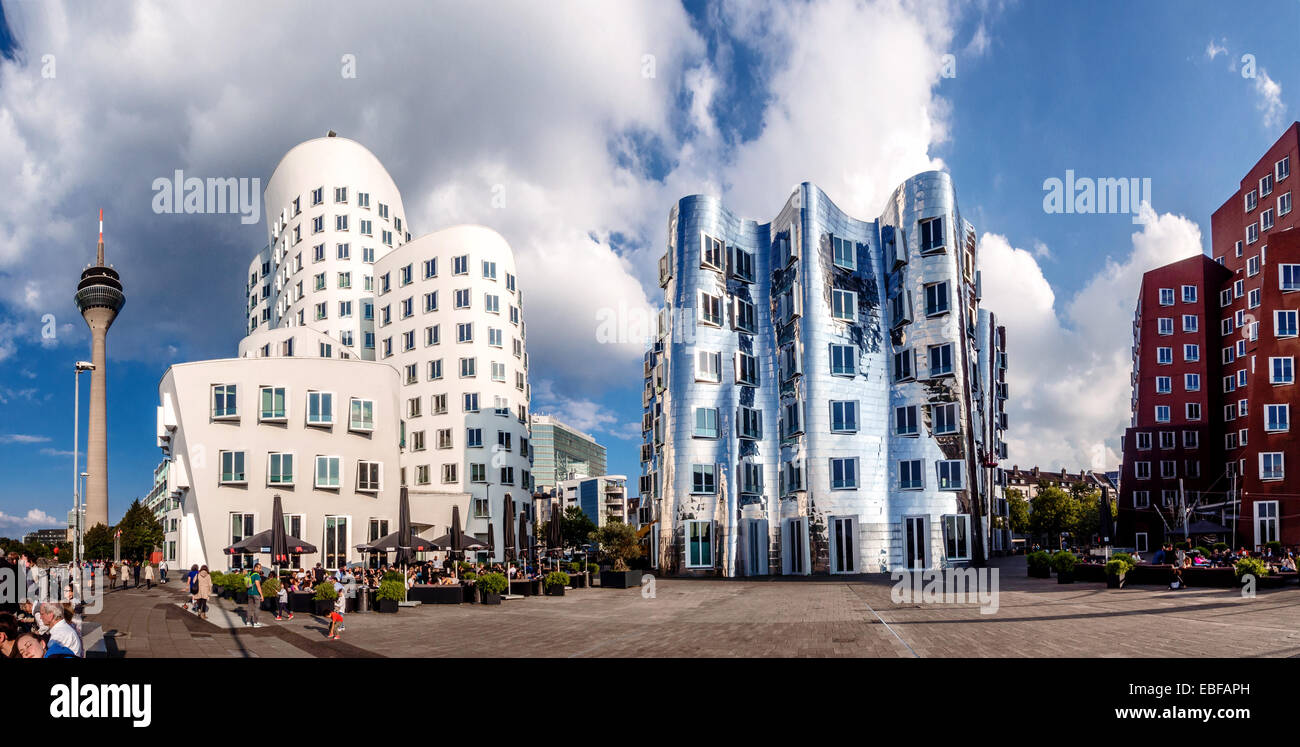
point(336, 618)
point(282, 601)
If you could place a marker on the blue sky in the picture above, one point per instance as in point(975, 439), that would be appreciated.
point(1106, 89)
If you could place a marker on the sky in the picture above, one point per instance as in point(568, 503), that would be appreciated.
point(572, 128)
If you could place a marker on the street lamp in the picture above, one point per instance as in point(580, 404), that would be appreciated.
point(80, 527)
point(76, 460)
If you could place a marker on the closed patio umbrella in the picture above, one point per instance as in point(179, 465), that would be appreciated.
point(279, 544)
point(405, 553)
point(508, 528)
point(555, 532)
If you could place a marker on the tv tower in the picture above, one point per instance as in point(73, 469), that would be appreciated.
point(99, 299)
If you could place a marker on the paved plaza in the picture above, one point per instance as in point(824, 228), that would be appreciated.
point(820, 617)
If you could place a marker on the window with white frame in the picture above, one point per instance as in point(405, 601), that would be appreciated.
point(843, 360)
point(844, 305)
point(706, 422)
point(1144, 441)
point(941, 359)
point(1189, 294)
point(932, 235)
point(368, 476)
point(746, 369)
point(1191, 352)
point(1190, 322)
point(944, 418)
point(704, 479)
point(320, 408)
point(903, 365)
point(745, 316)
point(1252, 233)
point(1251, 200)
point(1283, 204)
point(1271, 466)
point(957, 536)
point(710, 309)
point(1277, 418)
point(951, 474)
point(905, 420)
point(844, 416)
point(1165, 325)
point(1142, 470)
point(936, 299)
point(232, 468)
point(910, 475)
point(329, 471)
point(749, 423)
point(1166, 296)
point(699, 550)
point(708, 366)
point(1164, 356)
point(844, 253)
point(224, 401)
point(844, 473)
point(1164, 385)
point(1193, 411)
point(712, 252)
point(1288, 277)
point(1282, 370)
point(274, 407)
point(1284, 323)
point(1162, 413)
point(1141, 499)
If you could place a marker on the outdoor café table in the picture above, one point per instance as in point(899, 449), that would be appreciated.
point(301, 601)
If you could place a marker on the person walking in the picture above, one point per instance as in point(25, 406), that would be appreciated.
point(125, 573)
point(282, 603)
point(135, 571)
point(336, 617)
point(112, 577)
point(202, 590)
point(254, 596)
point(148, 576)
point(162, 572)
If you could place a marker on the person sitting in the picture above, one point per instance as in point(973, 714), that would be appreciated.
point(32, 646)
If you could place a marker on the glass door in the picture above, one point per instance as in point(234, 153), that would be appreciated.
point(843, 544)
point(915, 532)
point(336, 542)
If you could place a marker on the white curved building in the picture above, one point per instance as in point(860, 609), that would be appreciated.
point(449, 318)
point(332, 211)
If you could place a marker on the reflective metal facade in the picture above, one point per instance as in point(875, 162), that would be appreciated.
point(790, 463)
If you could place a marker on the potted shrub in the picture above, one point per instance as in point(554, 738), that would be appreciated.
point(1116, 569)
point(239, 588)
point(490, 587)
point(1250, 567)
point(618, 542)
point(390, 593)
point(325, 597)
point(1040, 564)
point(555, 582)
point(469, 580)
point(218, 582)
point(393, 576)
point(270, 588)
point(1063, 562)
point(1221, 547)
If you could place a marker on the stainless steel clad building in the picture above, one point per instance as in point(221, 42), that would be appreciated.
point(813, 398)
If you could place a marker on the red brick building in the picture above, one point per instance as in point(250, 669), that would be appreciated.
point(1230, 438)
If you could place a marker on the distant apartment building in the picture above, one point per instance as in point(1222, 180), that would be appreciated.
point(1215, 342)
point(46, 536)
point(562, 452)
point(602, 498)
point(1029, 481)
point(824, 394)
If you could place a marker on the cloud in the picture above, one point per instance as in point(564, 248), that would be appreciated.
point(33, 519)
point(1213, 50)
point(56, 452)
point(1042, 251)
point(979, 43)
point(22, 438)
point(583, 414)
point(1069, 360)
point(1270, 99)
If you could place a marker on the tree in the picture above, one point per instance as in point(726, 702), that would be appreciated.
point(618, 542)
point(99, 542)
point(1018, 511)
point(141, 532)
point(1054, 511)
point(576, 527)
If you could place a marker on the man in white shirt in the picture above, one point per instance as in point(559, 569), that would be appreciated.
point(51, 615)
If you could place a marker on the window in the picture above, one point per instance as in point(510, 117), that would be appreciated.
point(751, 478)
point(1189, 294)
point(844, 305)
point(844, 416)
point(745, 315)
point(1142, 470)
point(1284, 323)
point(1166, 296)
point(706, 422)
point(1144, 441)
point(903, 365)
point(1166, 440)
point(465, 332)
point(793, 421)
point(1282, 169)
point(1191, 352)
point(932, 239)
point(439, 401)
point(1165, 325)
point(941, 359)
point(320, 408)
point(1252, 233)
point(844, 474)
point(1253, 298)
point(905, 420)
point(1266, 185)
point(945, 418)
point(273, 404)
point(742, 265)
point(909, 475)
point(749, 422)
point(435, 369)
point(842, 360)
point(468, 368)
point(1164, 355)
point(704, 479)
point(1283, 371)
point(1225, 298)
point(328, 471)
point(699, 544)
point(1251, 200)
point(1266, 520)
point(1164, 385)
point(712, 253)
point(224, 404)
point(950, 473)
point(844, 253)
point(956, 536)
point(1141, 499)
point(1266, 220)
point(1276, 418)
point(1283, 204)
point(710, 309)
point(708, 366)
point(1162, 413)
point(1189, 322)
point(470, 402)
point(232, 468)
point(474, 438)
point(746, 369)
point(367, 477)
point(936, 299)
point(1270, 466)
point(1193, 411)
point(1289, 277)
point(449, 473)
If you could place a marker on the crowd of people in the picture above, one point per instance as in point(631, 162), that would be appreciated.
point(1279, 561)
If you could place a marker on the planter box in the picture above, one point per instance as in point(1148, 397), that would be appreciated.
point(216, 590)
point(1090, 572)
point(269, 604)
point(1040, 572)
point(301, 601)
point(469, 594)
point(386, 605)
point(1114, 582)
point(241, 597)
point(578, 581)
point(620, 579)
point(1157, 575)
point(1210, 578)
point(1271, 581)
point(491, 599)
point(433, 594)
point(1065, 578)
point(555, 590)
point(323, 607)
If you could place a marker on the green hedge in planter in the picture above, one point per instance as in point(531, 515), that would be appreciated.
point(1251, 566)
point(556, 578)
point(1221, 546)
point(1116, 567)
point(393, 576)
point(1038, 560)
point(1064, 561)
point(270, 588)
point(325, 592)
point(492, 583)
point(390, 589)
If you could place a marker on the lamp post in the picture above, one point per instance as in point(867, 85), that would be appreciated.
point(80, 522)
point(76, 460)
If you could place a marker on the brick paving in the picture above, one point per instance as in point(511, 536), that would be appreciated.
point(821, 617)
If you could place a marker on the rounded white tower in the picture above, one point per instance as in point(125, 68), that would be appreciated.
point(332, 211)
